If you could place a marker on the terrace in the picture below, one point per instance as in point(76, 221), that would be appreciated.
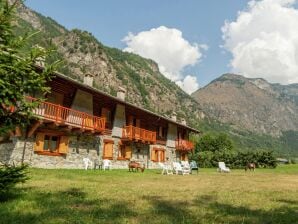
point(65, 116)
point(133, 133)
point(184, 145)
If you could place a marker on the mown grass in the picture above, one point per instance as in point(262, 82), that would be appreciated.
point(117, 196)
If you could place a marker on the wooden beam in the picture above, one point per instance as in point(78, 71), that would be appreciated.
point(68, 128)
point(34, 127)
point(77, 130)
point(52, 125)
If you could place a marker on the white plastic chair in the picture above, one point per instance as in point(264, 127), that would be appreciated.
point(222, 167)
point(185, 166)
point(166, 169)
point(106, 164)
point(87, 162)
point(178, 169)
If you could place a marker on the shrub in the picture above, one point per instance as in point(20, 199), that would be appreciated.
point(10, 175)
point(265, 159)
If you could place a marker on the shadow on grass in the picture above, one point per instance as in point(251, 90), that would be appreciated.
point(74, 206)
point(70, 206)
point(228, 213)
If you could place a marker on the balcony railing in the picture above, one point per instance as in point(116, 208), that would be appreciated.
point(184, 145)
point(138, 134)
point(63, 115)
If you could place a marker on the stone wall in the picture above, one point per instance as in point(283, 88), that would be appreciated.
point(119, 121)
point(79, 147)
point(83, 102)
point(172, 135)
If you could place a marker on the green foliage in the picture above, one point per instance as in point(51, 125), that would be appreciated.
point(213, 148)
point(10, 175)
point(214, 142)
point(233, 159)
point(18, 75)
point(244, 140)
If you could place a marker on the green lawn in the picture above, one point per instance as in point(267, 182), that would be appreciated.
point(117, 196)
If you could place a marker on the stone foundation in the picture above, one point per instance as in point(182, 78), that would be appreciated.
point(79, 148)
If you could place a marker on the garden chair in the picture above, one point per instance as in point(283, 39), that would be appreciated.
point(194, 166)
point(222, 167)
point(166, 169)
point(106, 164)
point(185, 166)
point(177, 168)
point(87, 162)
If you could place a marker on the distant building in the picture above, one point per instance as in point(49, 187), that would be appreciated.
point(78, 121)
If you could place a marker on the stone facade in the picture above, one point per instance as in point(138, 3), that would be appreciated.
point(80, 146)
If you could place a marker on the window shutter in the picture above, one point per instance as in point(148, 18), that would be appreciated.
point(108, 150)
point(153, 156)
point(39, 143)
point(127, 152)
point(63, 144)
point(162, 155)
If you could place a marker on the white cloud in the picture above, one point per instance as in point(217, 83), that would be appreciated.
point(168, 48)
point(264, 41)
point(189, 84)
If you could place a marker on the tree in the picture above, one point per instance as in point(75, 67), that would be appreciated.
point(214, 142)
point(19, 75)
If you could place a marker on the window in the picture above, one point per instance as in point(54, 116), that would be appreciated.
point(51, 144)
point(162, 132)
point(107, 114)
point(158, 155)
point(125, 152)
point(133, 121)
point(108, 149)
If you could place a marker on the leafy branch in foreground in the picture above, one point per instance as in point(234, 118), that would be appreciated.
point(20, 74)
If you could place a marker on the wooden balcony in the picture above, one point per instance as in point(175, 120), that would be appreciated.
point(138, 134)
point(66, 116)
point(184, 145)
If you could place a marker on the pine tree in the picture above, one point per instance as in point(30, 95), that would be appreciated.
point(19, 75)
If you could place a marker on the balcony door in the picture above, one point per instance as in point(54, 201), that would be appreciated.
point(52, 110)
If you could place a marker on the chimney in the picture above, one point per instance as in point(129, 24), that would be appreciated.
point(88, 79)
point(174, 116)
point(121, 93)
point(183, 121)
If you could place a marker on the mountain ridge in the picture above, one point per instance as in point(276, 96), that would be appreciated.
point(253, 104)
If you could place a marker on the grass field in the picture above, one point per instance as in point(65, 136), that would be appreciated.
point(117, 196)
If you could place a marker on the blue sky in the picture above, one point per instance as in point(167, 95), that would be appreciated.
point(199, 21)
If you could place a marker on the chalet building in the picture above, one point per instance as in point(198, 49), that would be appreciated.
point(78, 121)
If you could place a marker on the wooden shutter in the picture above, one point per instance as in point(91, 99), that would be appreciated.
point(128, 152)
point(108, 150)
point(63, 144)
point(39, 143)
point(162, 155)
point(153, 155)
